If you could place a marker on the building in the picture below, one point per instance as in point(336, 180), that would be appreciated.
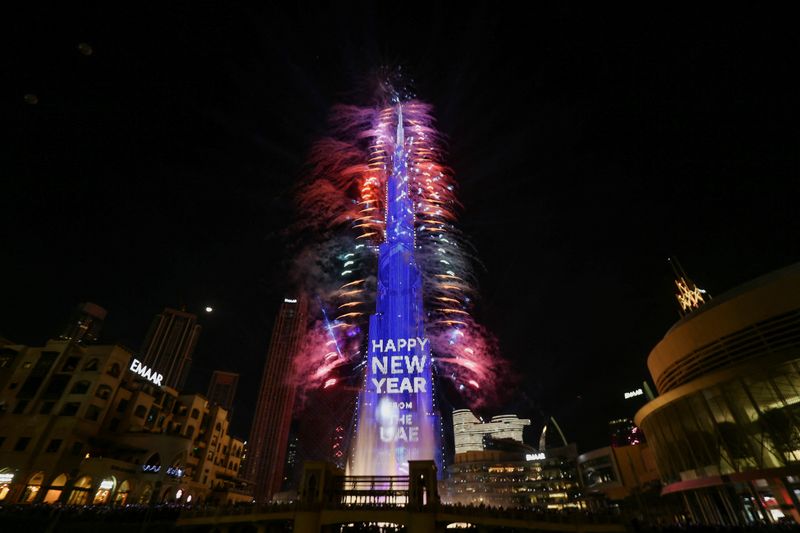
point(222, 389)
point(85, 323)
point(169, 345)
point(84, 424)
point(397, 418)
point(470, 434)
point(272, 419)
point(725, 427)
point(612, 473)
point(494, 467)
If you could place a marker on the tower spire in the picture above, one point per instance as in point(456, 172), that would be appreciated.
point(400, 139)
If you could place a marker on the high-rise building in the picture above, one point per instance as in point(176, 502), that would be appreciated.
point(273, 416)
point(222, 388)
point(169, 345)
point(397, 420)
point(85, 323)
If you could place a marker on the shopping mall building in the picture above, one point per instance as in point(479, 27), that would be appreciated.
point(725, 427)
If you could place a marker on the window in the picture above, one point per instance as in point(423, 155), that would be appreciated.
point(21, 444)
point(122, 405)
point(189, 431)
point(114, 370)
point(70, 364)
point(2, 440)
point(77, 448)
point(91, 364)
point(140, 411)
point(195, 413)
point(103, 392)
point(92, 412)
point(70, 409)
point(80, 387)
point(27, 364)
point(56, 387)
point(53, 446)
point(114, 424)
point(46, 408)
point(12, 386)
point(20, 407)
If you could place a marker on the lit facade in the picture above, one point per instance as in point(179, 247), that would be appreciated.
point(515, 476)
point(470, 433)
point(725, 428)
point(77, 426)
point(272, 419)
point(397, 420)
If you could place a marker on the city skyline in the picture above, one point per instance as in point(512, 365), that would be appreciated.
point(680, 144)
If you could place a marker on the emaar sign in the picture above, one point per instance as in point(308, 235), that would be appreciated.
point(147, 373)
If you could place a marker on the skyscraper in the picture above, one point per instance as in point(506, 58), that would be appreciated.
point(397, 421)
point(85, 323)
point(222, 388)
point(169, 345)
point(273, 416)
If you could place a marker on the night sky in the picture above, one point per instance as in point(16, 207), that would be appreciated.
point(588, 145)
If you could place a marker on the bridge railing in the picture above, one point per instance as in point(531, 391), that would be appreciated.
point(464, 511)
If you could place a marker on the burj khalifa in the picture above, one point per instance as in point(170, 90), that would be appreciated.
point(396, 417)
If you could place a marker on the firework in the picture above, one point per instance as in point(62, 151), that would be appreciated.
point(343, 202)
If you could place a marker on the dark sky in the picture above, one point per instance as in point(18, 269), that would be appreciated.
point(589, 146)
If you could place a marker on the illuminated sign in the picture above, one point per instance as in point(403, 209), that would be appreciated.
point(534, 456)
point(6, 477)
point(147, 373)
point(175, 472)
point(290, 300)
point(405, 365)
point(689, 295)
point(633, 394)
point(151, 468)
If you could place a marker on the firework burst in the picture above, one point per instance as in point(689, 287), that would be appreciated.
point(343, 202)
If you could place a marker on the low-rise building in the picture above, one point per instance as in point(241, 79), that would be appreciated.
point(90, 424)
point(494, 467)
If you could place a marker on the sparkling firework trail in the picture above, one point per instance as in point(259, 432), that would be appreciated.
point(343, 200)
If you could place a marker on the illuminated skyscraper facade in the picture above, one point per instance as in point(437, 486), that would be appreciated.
point(169, 345)
point(396, 417)
point(266, 448)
